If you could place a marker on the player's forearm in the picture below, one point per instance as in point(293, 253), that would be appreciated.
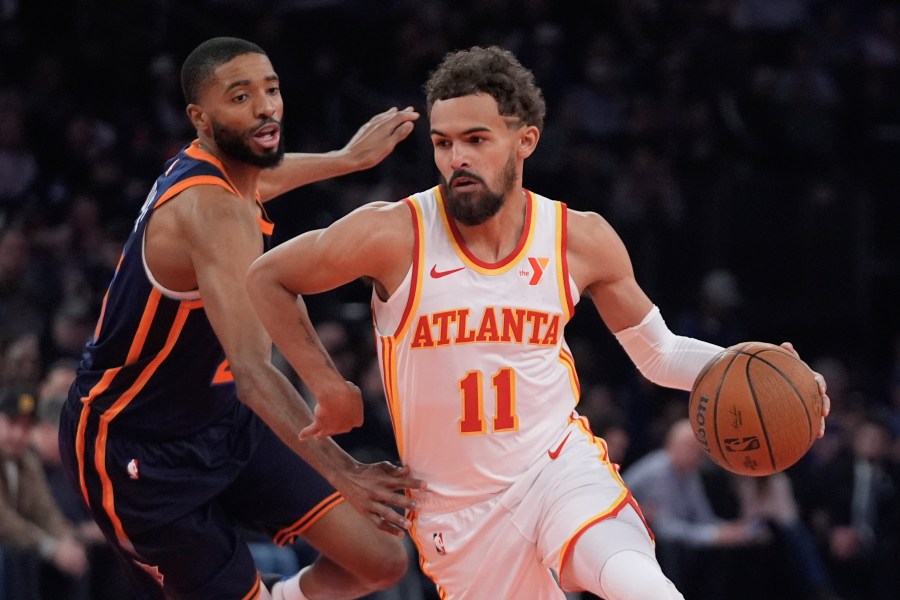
point(300, 169)
point(661, 356)
point(284, 315)
point(272, 396)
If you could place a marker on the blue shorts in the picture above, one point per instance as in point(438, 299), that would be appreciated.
point(174, 509)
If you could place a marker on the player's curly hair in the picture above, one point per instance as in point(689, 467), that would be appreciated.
point(203, 60)
point(489, 70)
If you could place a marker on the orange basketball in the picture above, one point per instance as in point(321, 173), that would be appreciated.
point(755, 408)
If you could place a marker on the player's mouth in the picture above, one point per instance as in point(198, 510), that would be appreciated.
point(268, 135)
point(464, 183)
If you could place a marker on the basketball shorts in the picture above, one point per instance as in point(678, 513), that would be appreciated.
point(174, 510)
point(515, 544)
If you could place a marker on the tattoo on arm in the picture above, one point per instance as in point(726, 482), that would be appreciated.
point(312, 340)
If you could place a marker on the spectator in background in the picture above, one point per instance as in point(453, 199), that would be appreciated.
point(771, 500)
point(22, 361)
point(43, 556)
point(856, 514)
point(716, 315)
point(105, 579)
point(647, 210)
point(20, 289)
point(692, 541)
point(69, 331)
point(18, 164)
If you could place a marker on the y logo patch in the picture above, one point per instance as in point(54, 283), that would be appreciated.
point(538, 265)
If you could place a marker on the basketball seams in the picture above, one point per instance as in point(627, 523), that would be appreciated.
point(752, 388)
point(755, 389)
point(790, 382)
point(715, 415)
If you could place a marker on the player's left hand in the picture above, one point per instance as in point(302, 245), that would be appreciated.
point(338, 410)
point(823, 387)
point(373, 489)
point(379, 135)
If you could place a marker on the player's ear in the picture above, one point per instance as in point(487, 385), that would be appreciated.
point(198, 116)
point(528, 139)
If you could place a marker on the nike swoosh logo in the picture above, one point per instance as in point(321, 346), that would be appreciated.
point(555, 453)
point(435, 274)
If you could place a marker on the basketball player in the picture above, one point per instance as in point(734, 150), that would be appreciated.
point(474, 281)
point(165, 428)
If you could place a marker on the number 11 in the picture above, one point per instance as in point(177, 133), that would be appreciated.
point(504, 383)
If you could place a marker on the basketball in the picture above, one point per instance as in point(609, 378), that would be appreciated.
point(755, 408)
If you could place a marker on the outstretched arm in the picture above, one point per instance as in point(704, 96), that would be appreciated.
point(600, 264)
point(374, 241)
point(369, 146)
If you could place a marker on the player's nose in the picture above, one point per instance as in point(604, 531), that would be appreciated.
point(267, 106)
point(459, 158)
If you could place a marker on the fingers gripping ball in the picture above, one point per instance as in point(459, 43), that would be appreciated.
point(755, 408)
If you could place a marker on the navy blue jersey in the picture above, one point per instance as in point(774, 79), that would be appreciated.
point(153, 435)
point(155, 369)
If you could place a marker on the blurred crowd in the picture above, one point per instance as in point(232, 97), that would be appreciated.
point(745, 150)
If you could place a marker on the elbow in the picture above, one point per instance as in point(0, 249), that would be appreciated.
point(255, 279)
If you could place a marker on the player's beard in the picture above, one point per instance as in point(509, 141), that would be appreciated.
point(476, 207)
point(233, 144)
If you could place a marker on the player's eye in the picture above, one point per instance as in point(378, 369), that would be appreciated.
point(239, 98)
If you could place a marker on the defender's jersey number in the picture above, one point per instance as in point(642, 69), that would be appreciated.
point(471, 387)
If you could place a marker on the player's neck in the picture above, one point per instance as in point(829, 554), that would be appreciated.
point(496, 238)
point(243, 176)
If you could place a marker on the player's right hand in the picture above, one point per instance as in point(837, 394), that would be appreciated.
point(379, 135)
point(338, 410)
point(374, 489)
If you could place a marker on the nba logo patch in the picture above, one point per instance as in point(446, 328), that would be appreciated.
point(133, 469)
point(439, 543)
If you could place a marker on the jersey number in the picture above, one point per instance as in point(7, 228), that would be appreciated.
point(504, 384)
point(223, 374)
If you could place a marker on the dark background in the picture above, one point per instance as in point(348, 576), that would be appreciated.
point(755, 139)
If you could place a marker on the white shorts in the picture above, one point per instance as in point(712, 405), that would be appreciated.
point(515, 544)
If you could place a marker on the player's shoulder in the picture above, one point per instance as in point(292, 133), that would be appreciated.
point(588, 226)
point(382, 212)
point(379, 221)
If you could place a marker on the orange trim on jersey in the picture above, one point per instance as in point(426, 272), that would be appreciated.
point(106, 379)
point(195, 151)
point(562, 254)
point(105, 297)
point(391, 391)
point(256, 591)
point(191, 182)
point(621, 501)
point(475, 263)
point(288, 534)
point(415, 285)
point(118, 406)
point(140, 335)
point(565, 554)
point(79, 449)
point(569, 362)
point(265, 225)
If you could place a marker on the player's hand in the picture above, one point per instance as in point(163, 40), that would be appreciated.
point(338, 410)
point(373, 489)
point(379, 135)
point(823, 388)
point(70, 557)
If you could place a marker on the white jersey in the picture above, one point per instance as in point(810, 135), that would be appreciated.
point(478, 377)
